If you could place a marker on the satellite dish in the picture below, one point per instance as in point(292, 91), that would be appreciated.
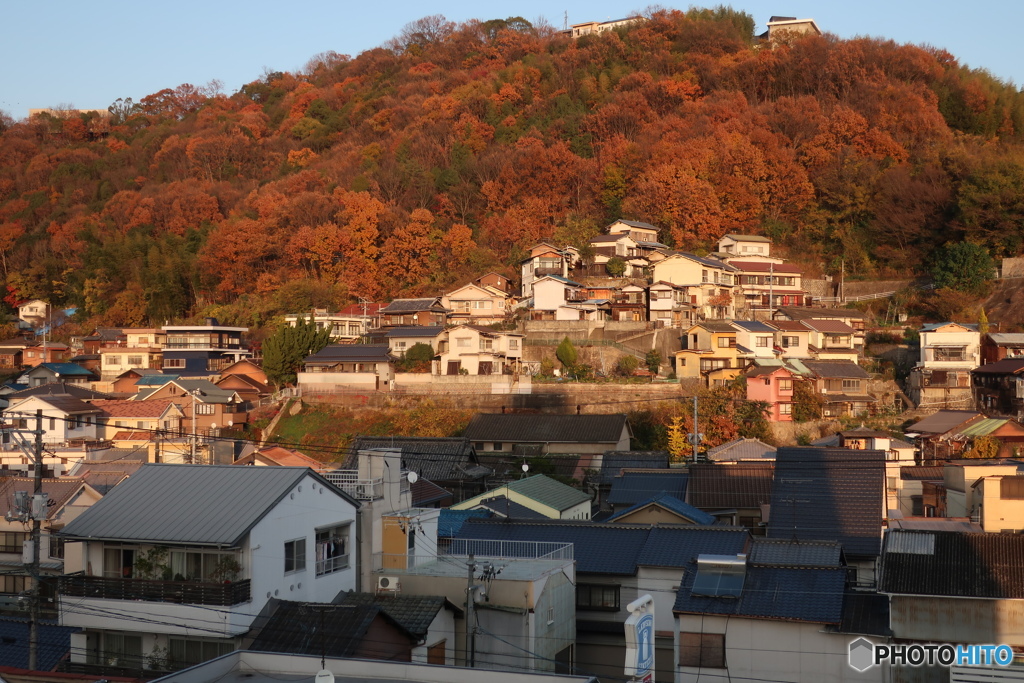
point(323, 676)
point(413, 477)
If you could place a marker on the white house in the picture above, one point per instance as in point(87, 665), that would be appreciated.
point(65, 418)
point(478, 351)
point(942, 377)
point(476, 305)
point(175, 563)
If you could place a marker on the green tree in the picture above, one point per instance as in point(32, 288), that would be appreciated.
point(653, 361)
point(417, 358)
point(983, 322)
point(284, 351)
point(626, 366)
point(566, 354)
point(963, 266)
point(616, 266)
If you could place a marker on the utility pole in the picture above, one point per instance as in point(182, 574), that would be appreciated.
point(696, 434)
point(33, 620)
point(471, 617)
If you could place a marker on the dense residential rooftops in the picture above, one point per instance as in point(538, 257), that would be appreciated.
point(60, 491)
point(346, 626)
point(195, 504)
point(671, 504)
point(630, 488)
point(742, 449)
point(435, 458)
point(614, 462)
point(764, 267)
point(414, 612)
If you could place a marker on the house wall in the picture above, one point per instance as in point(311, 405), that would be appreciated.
point(56, 428)
point(332, 381)
point(969, 339)
point(957, 620)
point(442, 629)
point(775, 650)
point(998, 514)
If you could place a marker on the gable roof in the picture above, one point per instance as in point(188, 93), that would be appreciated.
point(736, 237)
point(616, 549)
point(829, 326)
point(836, 368)
point(950, 563)
point(63, 370)
point(807, 313)
point(59, 490)
point(413, 306)
point(503, 507)
point(742, 449)
point(50, 388)
point(763, 267)
point(414, 612)
point(281, 457)
point(630, 488)
point(144, 409)
point(498, 427)
point(673, 505)
point(632, 224)
point(548, 491)
point(753, 326)
point(829, 494)
point(195, 504)
point(66, 404)
point(942, 421)
point(715, 486)
point(292, 628)
point(613, 462)
point(1006, 366)
point(1006, 338)
point(435, 458)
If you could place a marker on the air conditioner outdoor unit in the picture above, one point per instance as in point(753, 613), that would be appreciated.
point(388, 584)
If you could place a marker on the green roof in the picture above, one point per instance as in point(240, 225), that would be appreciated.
point(548, 491)
point(982, 427)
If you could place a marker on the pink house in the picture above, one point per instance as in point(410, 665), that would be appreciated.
point(774, 385)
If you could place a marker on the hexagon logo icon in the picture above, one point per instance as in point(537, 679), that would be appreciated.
point(862, 654)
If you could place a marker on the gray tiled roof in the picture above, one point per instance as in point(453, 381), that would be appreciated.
point(76, 390)
point(435, 458)
point(54, 643)
point(718, 486)
point(496, 427)
point(614, 462)
point(630, 488)
point(742, 449)
point(616, 548)
point(417, 331)
point(294, 628)
point(412, 305)
point(195, 504)
point(795, 553)
point(831, 494)
point(350, 353)
point(414, 612)
point(836, 368)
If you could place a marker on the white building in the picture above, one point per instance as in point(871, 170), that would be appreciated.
point(176, 562)
point(942, 377)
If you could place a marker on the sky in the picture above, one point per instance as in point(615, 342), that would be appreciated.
point(87, 54)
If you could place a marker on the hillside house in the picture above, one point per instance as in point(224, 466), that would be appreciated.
point(202, 350)
point(548, 434)
point(366, 367)
point(478, 351)
point(476, 305)
point(544, 260)
point(942, 376)
point(844, 386)
point(205, 407)
point(348, 325)
point(711, 282)
point(709, 354)
point(996, 346)
point(668, 305)
point(405, 312)
point(773, 385)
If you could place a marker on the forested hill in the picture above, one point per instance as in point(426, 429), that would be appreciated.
point(418, 165)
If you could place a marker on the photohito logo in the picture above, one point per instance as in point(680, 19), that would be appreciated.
point(864, 654)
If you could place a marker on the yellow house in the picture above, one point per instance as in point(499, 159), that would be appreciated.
point(540, 494)
point(712, 282)
point(709, 354)
point(999, 503)
point(144, 416)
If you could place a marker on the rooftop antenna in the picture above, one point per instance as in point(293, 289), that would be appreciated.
point(565, 22)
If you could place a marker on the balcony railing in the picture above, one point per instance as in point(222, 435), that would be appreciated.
point(181, 592)
point(234, 345)
point(541, 272)
point(362, 489)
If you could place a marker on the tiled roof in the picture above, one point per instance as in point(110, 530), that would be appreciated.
point(716, 486)
point(836, 368)
point(435, 458)
point(103, 476)
point(789, 325)
point(765, 267)
point(958, 524)
point(412, 306)
point(746, 238)
point(753, 326)
point(914, 472)
point(283, 457)
point(865, 614)
point(350, 353)
point(198, 504)
point(672, 504)
point(789, 593)
point(630, 488)
point(54, 643)
point(617, 549)
point(948, 563)
point(503, 507)
point(416, 331)
point(294, 628)
point(450, 522)
point(155, 380)
point(795, 553)
point(829, 494)
point(59, 490)
point(717, 326)
point(426, 492)
point(414, 612)
point(979, 428)
point(931, 327)
point(66, 369)
point(132, 435)
point(497, 427)
point(614, 462)
point(802, 313)
point(634, 224)
point(829, 326)
point(742, 449)
point(1006, 366)
point(76, 390)
point(943, 421)
point(143, 409)
point(68, 404)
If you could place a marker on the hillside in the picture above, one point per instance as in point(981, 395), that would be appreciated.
point(416, 166)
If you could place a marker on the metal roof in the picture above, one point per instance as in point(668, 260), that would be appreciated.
point(350, 353)
point(412, 305)
point(981, 427)
point(1006, 338)
point(753, 326)
point(746, 238)
point(191, 504)
point(1006, 366)
point(548, 491)
point(416, 331)
point(502, 506)
point(942, 421)
point(742, 449)
point(795, 553)
point(505, 428)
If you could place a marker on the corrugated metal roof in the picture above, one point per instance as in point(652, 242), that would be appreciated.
point(943, 421)
point(981, 427)
point(194, 504)
point(548, 491)
point(504, 428)
point(1006, 338)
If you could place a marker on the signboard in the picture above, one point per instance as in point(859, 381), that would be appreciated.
point(640, 639)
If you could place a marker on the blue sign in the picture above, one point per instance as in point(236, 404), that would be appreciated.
point(644, 644)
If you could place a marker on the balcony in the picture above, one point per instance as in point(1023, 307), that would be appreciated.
point(147, 590)
point(363, 489)
point(228, 345)
point(541, 272)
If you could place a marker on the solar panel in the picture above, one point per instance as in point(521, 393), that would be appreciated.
point(719, 576)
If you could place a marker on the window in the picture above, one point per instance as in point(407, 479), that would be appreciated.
point(295, 556)
point(702, 650)
point(203, 565)
point(332, 549)
point(513, 344)
point(597, 597)
point(400, 346)
point(762, 342)
point(135, 361)
point(725, 342)
point(174, 362)
point(851, 385)
point(118, 649)
point(13, 584)
point(785, 384)
point(12, 541)
point(708, 364)
point(462, 342)
point(114, 360)
point(950, 353)
point(789, 342)
point(183, 653)
point(205, 408)
point(785, 409)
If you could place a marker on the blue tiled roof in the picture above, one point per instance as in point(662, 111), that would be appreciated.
point(672, 504)
point(450, 521)
point(616, 548)
point(615, 461)
point(632, 487)
point(813, 595)
point(54, 643)
point(69, 369)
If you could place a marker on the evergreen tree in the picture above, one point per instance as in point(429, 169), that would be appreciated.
point(566, 354)
point(284, 351)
